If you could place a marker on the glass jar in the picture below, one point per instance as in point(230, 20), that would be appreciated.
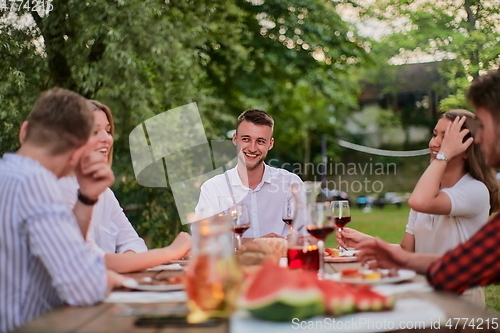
point(213, 275)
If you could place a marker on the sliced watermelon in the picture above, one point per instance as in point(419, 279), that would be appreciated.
point(280, 294)
point(338, 297)
point(369, 300)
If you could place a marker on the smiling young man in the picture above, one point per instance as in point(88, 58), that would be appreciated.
point(263, 189)
point(475, 262)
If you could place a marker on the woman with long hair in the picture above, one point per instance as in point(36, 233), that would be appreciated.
point(109, 229)
point(452, 199)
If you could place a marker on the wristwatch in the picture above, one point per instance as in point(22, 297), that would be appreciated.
point(85, 200)
point(442, 157)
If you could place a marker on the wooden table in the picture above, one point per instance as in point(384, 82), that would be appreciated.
point(105, 317)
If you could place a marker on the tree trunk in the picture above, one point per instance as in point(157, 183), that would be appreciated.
point(55, 30)
point(471, 27)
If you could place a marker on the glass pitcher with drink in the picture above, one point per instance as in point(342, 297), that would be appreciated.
point(303, 250)
point(213, 275)
point(313, 223)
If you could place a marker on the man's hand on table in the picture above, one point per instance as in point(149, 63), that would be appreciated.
point(181, 245)
point(272, 235)
point(115, 280)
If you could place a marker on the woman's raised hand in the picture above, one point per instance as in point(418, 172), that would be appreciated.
point(453, 142)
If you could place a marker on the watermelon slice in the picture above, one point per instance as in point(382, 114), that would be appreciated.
point(280, 294)
point(338, 297)
point(369, 300)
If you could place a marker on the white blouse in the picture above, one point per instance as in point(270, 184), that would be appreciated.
point(109, 228)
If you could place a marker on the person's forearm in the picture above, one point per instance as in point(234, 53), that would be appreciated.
point(420, 261)
point(131, 262)
point(83, 215)
point(113, 280)
point(428, 185)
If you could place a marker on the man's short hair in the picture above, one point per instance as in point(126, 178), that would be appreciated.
point(484, 92)
point(257, 117)
point(60, 120)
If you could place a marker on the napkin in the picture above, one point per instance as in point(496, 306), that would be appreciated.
point(169, 267)
point(146, 297)
point(407, 313)
point(283, 262)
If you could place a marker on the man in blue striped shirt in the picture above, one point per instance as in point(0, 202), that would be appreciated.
point(44, 260)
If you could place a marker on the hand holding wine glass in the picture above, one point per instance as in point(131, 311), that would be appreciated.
point(341, 214)
point(350, 238)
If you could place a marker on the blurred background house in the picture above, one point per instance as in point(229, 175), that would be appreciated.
point(398, 105)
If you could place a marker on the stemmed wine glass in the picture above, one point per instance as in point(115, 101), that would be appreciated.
point(341, 215)
point(241, 221)
point(288, 214)
point(238, 214)
point(320, 225)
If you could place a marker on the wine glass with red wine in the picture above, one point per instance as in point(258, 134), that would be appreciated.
point(288, 214)
point(320, 226)
point(341, 214)
point(241, 222)
point(238, 214)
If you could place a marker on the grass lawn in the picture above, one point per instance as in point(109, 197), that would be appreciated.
point(389, 224)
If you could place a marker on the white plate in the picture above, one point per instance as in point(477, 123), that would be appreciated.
point(403, 275)
point(133, 284)
point(341, 259)
point(347, 256)
point(410, 310)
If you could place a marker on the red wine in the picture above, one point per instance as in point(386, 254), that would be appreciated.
point(239, 229)
point(288, 221)
point(320, 233)
point(309, 260)
point(340, 222)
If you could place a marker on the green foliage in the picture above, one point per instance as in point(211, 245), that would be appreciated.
point(463, 32)
point(492, 295)
point(457, 101)
point(282, 75)
point(387, 119)
point(143, 57)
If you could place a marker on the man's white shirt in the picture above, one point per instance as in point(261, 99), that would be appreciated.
point(266, 203)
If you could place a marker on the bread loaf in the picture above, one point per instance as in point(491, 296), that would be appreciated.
point(255, 253)
point(278, 245)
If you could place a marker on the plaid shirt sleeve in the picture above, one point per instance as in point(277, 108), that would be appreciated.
point(473, 263)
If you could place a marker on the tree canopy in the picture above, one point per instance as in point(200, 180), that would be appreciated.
point(143, 57)
point(465, 33)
